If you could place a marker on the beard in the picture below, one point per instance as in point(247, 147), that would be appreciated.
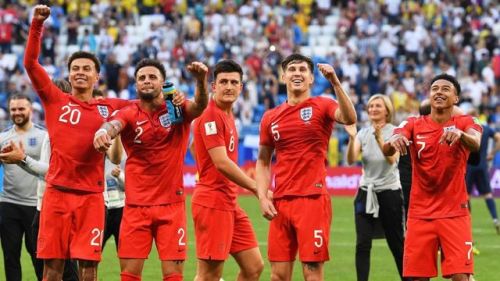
point(147, 96)
point(20, 120)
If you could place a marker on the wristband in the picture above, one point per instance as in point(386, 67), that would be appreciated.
point(99, 131)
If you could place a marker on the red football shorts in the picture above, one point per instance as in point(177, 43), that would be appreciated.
point(220, 233)
point(71, 225)
point(423, 239)
point(165, 223)
point(303, 224)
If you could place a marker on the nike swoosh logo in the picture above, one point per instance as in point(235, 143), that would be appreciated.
point(138, 123)
point(73, 104)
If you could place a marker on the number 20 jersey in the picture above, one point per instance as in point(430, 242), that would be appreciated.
point(74, 162)
point(299, 135)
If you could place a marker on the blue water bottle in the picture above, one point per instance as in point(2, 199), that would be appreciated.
point(174, 111)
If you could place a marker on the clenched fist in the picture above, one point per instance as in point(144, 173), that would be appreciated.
point(41, 12)
point(199, 70)
point(328, 71)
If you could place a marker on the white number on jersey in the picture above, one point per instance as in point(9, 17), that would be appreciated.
point(421, 148)
point(139, 130)
point(97, 237)
point(319, 239)
point(276, 133)
point(71, 115)
point(182, 234)
point(231, 144)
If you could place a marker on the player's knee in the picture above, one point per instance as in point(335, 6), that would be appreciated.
point(173, 277)
point(127, 276)
point(460, 277)
point(313, 271)
point(280, 276)
point(253, 272)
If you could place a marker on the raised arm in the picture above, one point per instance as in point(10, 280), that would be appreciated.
point(263, 179)
point(230, 170)
point(199, 71)
point(345, 114)
point(37, 74)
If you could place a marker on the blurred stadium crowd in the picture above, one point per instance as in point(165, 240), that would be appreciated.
point(391, 47)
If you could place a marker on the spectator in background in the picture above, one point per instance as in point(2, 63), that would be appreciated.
point(19, 198)
point(478, 174)
point(379, 196)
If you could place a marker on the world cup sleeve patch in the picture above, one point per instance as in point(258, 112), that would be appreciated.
point(210, 128)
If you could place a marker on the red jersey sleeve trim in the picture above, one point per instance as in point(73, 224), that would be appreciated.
point(39, 78)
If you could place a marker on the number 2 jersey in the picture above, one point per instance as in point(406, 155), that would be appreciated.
point(438, 177)
point(214, 128)
point(299, 135)
point(74, 163)
point(155, 150)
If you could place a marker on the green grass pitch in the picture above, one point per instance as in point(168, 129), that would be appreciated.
point(342, 242)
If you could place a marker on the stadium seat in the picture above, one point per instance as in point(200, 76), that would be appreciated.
point(332, 20)
point(306, 51)
point(329, 29)
point(314, 30)
point(9, 61)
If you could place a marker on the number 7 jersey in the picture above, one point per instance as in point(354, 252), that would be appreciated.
point(438, 176)
point(299, 135)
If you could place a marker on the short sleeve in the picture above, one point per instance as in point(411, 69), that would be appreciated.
point(121, 115)
point(330, 107)
point(211, 128)
point(405, 128)
point(471, 122)
point(265, 136)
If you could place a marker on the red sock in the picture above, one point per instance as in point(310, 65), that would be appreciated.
point(173, 277)
point(127, 276)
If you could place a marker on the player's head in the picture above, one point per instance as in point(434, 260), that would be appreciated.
point(84, 68)
point(149, 78)
point(20, 109)
point(227, 84)
point(97, 94)
point(425, 107)
point(63, 85)
point(380, 108)
point(297, 73)
point(444, 92)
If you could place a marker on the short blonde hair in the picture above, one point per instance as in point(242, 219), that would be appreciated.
point(388, 105)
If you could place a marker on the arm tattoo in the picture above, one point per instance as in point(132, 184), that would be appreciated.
point(113, 127)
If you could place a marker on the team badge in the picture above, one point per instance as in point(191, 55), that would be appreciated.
point(103, 110)
point(210, 128)
point(165, 120)
point(306, 113)
point(32, 141)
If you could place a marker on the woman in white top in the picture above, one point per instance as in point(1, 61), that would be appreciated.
point(379, 196)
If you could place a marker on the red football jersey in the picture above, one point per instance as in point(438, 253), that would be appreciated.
point(155, 155)
point(71, 123)
point(438, 178)
point(214, 128)
point(299, 135)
